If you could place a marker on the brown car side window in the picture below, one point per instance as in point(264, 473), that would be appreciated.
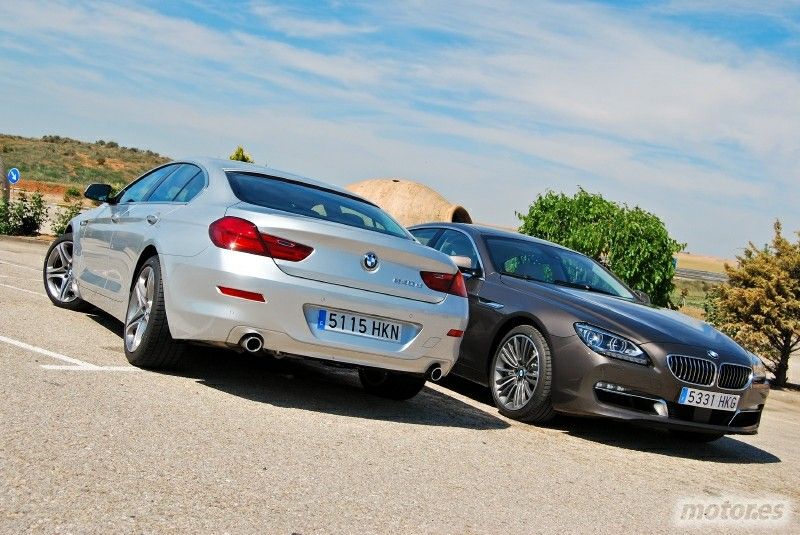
point(454, 243)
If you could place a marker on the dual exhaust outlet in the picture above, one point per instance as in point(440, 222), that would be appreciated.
point(253, 343)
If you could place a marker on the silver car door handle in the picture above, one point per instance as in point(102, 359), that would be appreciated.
point(115, 218)
point(490, 304)
point(152, 219)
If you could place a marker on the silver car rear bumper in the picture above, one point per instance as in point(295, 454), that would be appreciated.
point(198, 311)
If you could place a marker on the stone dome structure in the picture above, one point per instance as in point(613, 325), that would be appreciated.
point(410, 202)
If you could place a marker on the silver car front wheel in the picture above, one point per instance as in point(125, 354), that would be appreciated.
point(59, 277)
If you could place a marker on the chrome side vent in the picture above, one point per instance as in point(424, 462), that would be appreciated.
point(692, 370)
point(734, 376)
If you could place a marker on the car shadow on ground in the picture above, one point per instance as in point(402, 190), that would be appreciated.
point(314, 386)
point(311, 385)
point(623, 435)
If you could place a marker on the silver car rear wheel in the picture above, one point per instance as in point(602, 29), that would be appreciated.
point(139, 307)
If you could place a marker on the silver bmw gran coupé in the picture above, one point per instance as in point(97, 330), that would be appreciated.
point(242, 256)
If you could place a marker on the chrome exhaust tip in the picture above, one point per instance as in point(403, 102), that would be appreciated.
point(435, 373)
point(252, 343)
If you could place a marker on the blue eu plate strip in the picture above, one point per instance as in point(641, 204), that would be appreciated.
point(684, 391)
point(321, 320)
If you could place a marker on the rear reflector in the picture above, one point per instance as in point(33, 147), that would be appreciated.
point(450, 283)
point(244, 294)
point(455, 333)
point(241, 235)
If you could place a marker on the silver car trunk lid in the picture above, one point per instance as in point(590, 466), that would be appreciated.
point(340, 250)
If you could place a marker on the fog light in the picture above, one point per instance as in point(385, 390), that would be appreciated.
point(611, 387)
point(660, 407)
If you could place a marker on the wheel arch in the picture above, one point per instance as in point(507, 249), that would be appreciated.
point(148, 252)
point(511, 323)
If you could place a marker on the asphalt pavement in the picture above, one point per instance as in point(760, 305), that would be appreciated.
point(231, 443)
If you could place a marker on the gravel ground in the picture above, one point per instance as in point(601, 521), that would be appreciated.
point(239, 444)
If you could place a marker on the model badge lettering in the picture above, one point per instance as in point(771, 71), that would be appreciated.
point(406, 282)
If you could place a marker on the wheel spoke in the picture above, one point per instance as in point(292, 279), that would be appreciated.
point(66, 284)
point(503, 381)
point(507, 358)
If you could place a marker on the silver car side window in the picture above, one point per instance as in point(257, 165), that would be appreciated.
point(138, 190)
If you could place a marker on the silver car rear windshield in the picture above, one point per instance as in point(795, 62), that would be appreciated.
point(312, 201)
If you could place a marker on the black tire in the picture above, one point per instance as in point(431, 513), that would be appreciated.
point(390, 385)
point(156, 348)
point(72, 300)
point(695, 436)
point(539, 407)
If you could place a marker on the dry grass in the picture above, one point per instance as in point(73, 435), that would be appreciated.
point(703, 262)
point(59, 160)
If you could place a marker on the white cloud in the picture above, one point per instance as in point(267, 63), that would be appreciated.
point(295, 25)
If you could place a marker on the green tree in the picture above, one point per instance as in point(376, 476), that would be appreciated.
point(633, 243)
point(759, 306)
point(241, 155)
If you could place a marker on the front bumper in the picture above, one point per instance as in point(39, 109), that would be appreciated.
point(650, 392)
point(197, 311)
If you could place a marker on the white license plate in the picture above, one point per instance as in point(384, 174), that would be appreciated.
point(708, 400)
point(329, 320)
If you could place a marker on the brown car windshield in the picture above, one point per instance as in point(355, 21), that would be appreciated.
point(312, 201)
point(553, 265)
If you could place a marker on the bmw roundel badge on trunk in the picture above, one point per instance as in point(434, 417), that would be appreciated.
point(370, 261)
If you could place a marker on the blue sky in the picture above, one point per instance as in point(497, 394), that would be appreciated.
point(688, 109)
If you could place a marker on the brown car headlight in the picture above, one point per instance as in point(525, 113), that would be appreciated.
point(610, 344)
point(759, 370)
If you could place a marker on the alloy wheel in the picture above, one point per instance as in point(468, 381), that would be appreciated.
point(516, 372)
point(58, 273)
point(139, 307)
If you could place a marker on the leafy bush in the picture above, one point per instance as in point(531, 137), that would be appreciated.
point(23, 217)
point(101, 160)
point(64, 216)
point(100, 142)
point(633, 243)
point(72, 193)
point(112, 144)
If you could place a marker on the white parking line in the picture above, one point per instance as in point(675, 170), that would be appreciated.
point(75, 364)
point(23, 266)
point(22, 290)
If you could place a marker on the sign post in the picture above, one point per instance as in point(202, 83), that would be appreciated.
point(6, 185)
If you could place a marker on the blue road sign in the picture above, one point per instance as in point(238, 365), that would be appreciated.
point(13, 175)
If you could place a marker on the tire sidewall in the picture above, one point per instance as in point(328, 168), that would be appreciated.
point(158, 298)
point(542, 392)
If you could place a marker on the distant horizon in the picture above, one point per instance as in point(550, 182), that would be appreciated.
point(688, 110)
